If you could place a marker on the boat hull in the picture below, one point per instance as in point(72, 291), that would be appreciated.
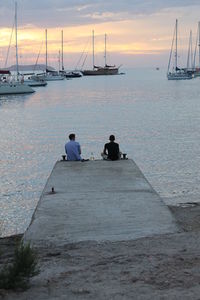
point(196, 74)
point(34, 83)
point(50, 77)
point(53, 78)
point(175, 76)
point(15, 88)
point(73, 75)
point(102, 71)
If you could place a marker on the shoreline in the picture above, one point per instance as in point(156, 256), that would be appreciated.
point(162, 266)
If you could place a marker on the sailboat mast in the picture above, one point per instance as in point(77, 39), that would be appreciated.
point(58, 60)
point(16, 45)
point(62, 50)
point(171, 51)
point(93, 48)
point(176, 54)
point(199, 42)
point(46, 47)
point(189, 50)
point(105, 50)
point(195, 49)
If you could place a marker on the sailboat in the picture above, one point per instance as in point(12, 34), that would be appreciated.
point(190, 62)
point(8, 84)
point(197, 68)
point(176, 73)
point(98, 70)
point(49, 74)
point(70, 74)
point(34, 80)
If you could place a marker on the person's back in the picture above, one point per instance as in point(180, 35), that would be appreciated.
point(73, 149)
point(112, 149)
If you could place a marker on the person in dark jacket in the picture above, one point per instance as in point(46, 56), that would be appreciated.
point(111, 150)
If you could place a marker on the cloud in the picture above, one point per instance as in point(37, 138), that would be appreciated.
point(57, 13)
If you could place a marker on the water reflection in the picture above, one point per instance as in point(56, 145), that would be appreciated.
point(6, 100)
point(153, 121)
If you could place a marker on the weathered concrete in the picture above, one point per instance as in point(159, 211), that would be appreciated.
point(98, 200)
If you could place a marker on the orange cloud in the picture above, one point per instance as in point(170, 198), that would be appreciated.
point(144, 35)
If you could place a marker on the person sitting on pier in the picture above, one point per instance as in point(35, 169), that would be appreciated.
point(111, 150)
point(73, 149)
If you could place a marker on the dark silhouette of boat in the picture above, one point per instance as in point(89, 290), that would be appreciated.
point(106, 70)
point(98, 70)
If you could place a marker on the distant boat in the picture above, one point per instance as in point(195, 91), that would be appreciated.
point(14, 87)
point(73, 74)
point(63, 72)
point(98, 70)
point(8, 84)
point(34, 83)
point(197, 66)
point(33, 80)
point(190, 69)
point(50, 75)
point(157, 68)
point(176, 73)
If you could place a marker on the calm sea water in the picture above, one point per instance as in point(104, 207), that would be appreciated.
point(157, 122)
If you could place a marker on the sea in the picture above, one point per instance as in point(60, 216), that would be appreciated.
point(155, 121)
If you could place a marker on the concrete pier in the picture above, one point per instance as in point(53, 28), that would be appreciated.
point(98, 200)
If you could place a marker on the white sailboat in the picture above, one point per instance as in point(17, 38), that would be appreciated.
point(49, 74)
point(34, 80)
point(197, 65)
point(190, 61)
point(176, 73)
point(98, 70)
point(10, 85)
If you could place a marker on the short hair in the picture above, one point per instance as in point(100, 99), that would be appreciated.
point(112, 137)
point(72, 136)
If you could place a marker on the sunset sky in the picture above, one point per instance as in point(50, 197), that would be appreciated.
point(139, 32)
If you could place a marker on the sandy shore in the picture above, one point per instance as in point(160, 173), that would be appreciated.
point(160, 267)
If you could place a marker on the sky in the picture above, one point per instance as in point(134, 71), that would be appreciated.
point(139, 33)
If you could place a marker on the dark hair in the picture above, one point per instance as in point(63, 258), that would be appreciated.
point(71, 136)
point(112, 137)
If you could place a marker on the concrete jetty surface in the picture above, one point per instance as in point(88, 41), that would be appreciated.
point(98, 200)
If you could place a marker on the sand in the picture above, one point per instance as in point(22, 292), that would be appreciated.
point(160, 267)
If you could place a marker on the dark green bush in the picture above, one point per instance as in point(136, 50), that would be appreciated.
point(24, 266)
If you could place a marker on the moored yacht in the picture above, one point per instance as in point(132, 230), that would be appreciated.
point(99, 70)
point(73, 74)
point(14, 87)
point(196, 65)
point(33, 80)
point(50, 75)
point(176, 73)
point(63, 72)
point(8, 84)
point(179, 75)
